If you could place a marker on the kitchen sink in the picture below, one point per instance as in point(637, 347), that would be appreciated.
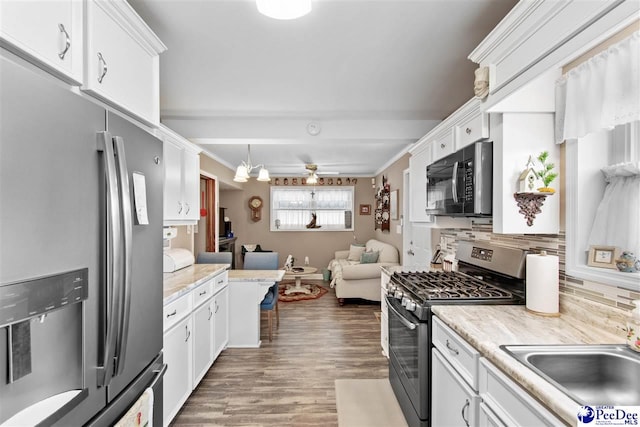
point(589, 374)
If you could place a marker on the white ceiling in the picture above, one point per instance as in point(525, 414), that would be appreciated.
point(375, 75)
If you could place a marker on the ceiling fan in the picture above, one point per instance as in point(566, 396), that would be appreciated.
point(312, 171)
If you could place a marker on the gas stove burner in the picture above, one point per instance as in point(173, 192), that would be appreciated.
point(430, 286)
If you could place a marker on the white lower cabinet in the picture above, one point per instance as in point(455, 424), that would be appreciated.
point(196, 330)
point(468, 390)
point(453, 402)
point(221, 321)
point(202, 341)
point(384, 322)
point(508, 404)
point(178, 380)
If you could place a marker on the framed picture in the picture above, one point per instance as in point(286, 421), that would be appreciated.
point(603, 256)
point(393, 208)
point(365, 209)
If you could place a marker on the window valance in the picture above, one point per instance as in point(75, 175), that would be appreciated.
point(601, 93)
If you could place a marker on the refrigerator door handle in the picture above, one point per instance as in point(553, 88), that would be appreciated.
point(127, 233)
point(113, 260)
point(159, 374)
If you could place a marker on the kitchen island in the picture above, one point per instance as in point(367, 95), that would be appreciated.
point(247, 289)
point(487, 327)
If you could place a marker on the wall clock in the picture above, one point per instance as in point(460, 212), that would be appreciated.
point(255, 204)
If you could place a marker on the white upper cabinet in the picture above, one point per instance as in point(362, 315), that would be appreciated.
point(537, 35)
point(46, 33)
point(121, 60)
point(181, 179)
point(420, 158)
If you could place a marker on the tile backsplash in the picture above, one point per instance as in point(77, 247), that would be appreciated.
point(554, 245)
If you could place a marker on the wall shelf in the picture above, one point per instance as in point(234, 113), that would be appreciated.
point(530, 204)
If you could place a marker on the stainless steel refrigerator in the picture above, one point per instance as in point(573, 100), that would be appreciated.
point(80, 267)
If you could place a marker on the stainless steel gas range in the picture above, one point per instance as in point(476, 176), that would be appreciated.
point(487, 274)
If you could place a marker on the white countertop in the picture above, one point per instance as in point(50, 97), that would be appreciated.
point(487, 327)
point(184, 280)
point(180, 282)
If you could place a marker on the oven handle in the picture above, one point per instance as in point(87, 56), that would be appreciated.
point(404, 321)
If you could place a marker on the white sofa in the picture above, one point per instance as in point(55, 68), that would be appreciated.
point(352, 279)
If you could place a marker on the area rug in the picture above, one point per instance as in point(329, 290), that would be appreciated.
point(316, 292)
point(368, 402)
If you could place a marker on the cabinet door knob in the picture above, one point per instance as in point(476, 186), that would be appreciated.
point(468, 131)
point(179, 207)
point(186, 328)
point(188, 208)
point(67, 41)
point(442, 145)
point(103, 67)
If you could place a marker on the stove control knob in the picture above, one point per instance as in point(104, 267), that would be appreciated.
point(398, 295)
point(411, 306)
point(391, 290)
point(405, 301)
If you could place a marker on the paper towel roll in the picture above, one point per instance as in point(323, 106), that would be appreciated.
point(542, 284)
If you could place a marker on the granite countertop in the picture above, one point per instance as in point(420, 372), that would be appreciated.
point(487, 327)
point(180, 282)
point(184, 280)
point(255, 275)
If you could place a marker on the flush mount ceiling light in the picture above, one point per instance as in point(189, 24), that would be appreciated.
point(245, 168)
point(284, 9)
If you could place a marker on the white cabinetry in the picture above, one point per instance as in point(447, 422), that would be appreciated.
point(469, 390)
point(516, 136)
point(420, 158)
point(178, 355)
point(455, 400)
point(196, 329)
point(121, 59)
point(505, 403)
point(181, 179)
point(537, 36)
point(384, 314)
point(47, 33)
point(443, 144)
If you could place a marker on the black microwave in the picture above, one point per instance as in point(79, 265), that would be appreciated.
point(460, 184)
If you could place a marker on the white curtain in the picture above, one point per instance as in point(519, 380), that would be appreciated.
point(601, 93)
point(617, 220)
point(293, 207)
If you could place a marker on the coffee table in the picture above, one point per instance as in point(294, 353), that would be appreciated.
point(298, 275)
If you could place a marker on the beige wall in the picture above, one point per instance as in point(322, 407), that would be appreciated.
point(319, 246)
point(394, 175)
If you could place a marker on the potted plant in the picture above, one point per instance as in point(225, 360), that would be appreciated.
point(546, 173)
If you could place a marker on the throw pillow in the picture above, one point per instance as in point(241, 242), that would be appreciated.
point(369, 257)
point(355, 252)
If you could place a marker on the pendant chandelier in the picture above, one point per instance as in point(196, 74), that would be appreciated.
point(284, 9)
point(245, 168)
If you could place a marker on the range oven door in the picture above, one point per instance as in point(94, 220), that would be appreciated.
point(409, 352)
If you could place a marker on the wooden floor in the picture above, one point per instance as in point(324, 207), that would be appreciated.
point(290, 381)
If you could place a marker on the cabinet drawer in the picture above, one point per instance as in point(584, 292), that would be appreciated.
point(202, 293)
point(176, 310)
point(474, 129)
point(220, 281)
point(443, 145)
point(508, 401)
point(461, 355)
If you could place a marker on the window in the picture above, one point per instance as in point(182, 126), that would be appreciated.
point(294, 208)
point(586, 186)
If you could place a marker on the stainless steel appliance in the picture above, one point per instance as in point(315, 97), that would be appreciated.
point(80, 268)
point(460, 184)
point(487, 274)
